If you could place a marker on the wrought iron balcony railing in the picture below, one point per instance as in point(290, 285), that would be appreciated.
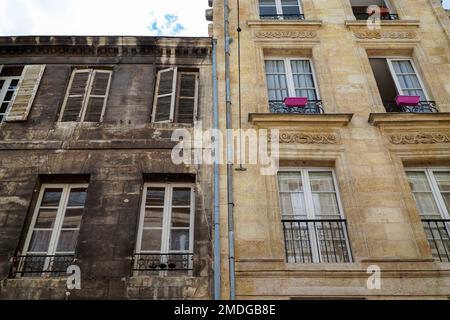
point(147, 263)
point(438, 235)
point(383, 16)
point(422, 107)
point(282, 17)
point(41, 265)
point(312, 107)
point(316, 241)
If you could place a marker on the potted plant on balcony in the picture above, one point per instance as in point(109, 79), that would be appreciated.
point(295, 101)
point(407, 100)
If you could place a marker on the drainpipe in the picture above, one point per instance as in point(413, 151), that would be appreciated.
point(217, 266)
point(230, 156)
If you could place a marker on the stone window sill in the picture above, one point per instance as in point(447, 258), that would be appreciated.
point(283, 119)
point(395, 118)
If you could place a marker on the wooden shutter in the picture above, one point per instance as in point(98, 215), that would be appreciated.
point(187, 97)
point(164, 102)
point(26, 91)
point(97, 95)
point(76, 95)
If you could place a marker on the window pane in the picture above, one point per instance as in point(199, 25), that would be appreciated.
point(181, 217)
point(151, 240)
point(418, 181)
point(4, 107)
point(51, 197)
point(446, 197)
point(94, 109)
point(2, 82)
point(9, 95)
point(321, 181)
point(443, 180)
point(268, 11)
point(100, 84)
point(163, 109)
point(179, 240)
point(291, 10)
point(155, 196)
point(79, 83)
point(72, 219)
point(67, 241)
point(11, 72)
point(290, 181)
point(165, 83)
point(153, 218)
point(72, 109)
point(292, 204)
point(427, 205)
point(185, 112)
point(187, 85)
point(46, 218)
point(325, 205)
point(40, 241)
point(181, 197)
point(77, 197)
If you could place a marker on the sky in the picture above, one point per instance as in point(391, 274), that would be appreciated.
point(446, 4)
point(103, 17)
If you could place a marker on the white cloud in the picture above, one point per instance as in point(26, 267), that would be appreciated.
point(103, 17)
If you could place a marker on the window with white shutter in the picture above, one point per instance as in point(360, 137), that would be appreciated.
point(18, 87)
point(176, 96)
point(86, 96)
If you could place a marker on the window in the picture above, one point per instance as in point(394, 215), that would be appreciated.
point(431, 191)
point(166, 228)
point(176, 96)
point(287, 77)
point(399, 77)
point(86, 95)
point(362, 11)
point(313, 221)
point(52, 238)
point(9, 83)
point(280, 9)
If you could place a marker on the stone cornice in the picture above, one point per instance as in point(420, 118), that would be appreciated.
point(285, 23)
point(388, 23)
point(289, 120)
point(409, 119)
point(105, 46)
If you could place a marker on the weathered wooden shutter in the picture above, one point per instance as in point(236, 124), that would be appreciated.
point(76, 95)
point(26, 91)
point(187, 97)
point(164, 102)
point(97, 96)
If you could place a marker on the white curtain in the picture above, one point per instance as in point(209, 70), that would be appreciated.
point(276, 80)
point(303, 79)
point(408, 79)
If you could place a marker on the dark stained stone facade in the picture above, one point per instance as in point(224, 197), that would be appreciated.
point(116, 156)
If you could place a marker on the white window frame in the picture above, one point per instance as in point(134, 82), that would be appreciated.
point(279, 7)
point(179, 97)
point(56, 232)
point(395, 78)
point(175, 94)
point(309, 205)
point(4, 90)
point(87, 95)
point(440, 202)
point(289, 74)
point(167, 218)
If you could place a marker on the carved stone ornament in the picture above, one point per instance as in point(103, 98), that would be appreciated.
point(285, 34)
point(385, 35)
point(308, 138)
point(419, 138)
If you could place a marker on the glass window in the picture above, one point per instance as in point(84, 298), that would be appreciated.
point(313, 223)
point(9, 83)
point(431, 191)
point(53, 235)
